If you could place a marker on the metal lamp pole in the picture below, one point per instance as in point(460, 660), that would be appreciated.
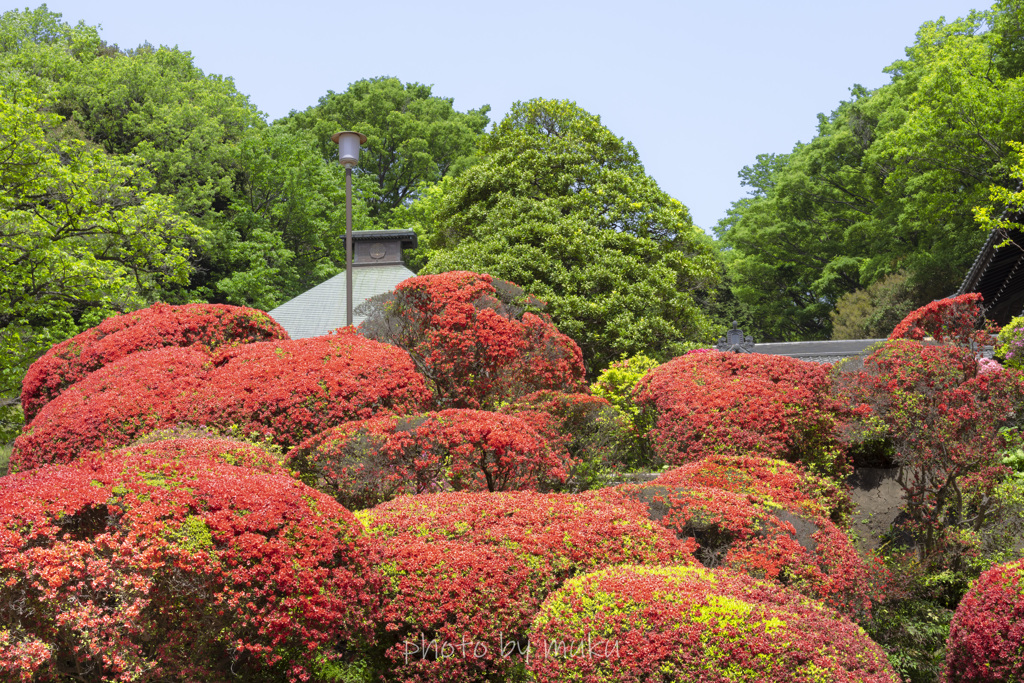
point(348, 156)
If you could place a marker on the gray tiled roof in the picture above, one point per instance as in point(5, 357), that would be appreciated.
point(831, 351)
point(318, 311)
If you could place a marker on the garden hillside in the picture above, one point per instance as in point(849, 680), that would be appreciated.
point(529, 463)
point(438, 495)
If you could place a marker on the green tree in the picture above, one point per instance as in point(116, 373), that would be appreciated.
point(283, 231)
point(562, 207)
point(888, 184)
point(80, 237)
point(872, 313)
point(413, 136)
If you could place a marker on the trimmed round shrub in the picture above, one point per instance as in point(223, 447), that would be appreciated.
point(143, 566)
point(367, 462)
point(762, 517)
point(453, 611)
point(714, 403)
point(986, 639)
point(285, 390)
point(113, 405)
point(475, 339)
point(160, 325)
point(208, 447)
point(785, 484)
point(291, 390)
point(599, 438)
point(693, 624)
point(559, 535)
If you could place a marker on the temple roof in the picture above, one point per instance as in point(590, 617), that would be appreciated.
point(377, 269)
point(998, 275)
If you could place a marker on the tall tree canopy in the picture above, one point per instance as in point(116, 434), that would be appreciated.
point(562, 207)
point(413, 136)
point(80, 236)
point(272, 208)
point(888, 184)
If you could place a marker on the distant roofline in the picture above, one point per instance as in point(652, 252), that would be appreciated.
point(385, 236)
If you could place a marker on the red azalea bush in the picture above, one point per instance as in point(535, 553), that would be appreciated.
point(786, 484)
point(144, 567)
point(367, 462)
point(285, 390)
point(113, 405)
point(209, 325)
point(474, 340)
point(985, 641)
point(291, 390)
point(942, 418)
point(209, 447)
point(453, 611)
point(558, 534)
point(766, 518)
point(693, 624)
point(715, 403)
point(952, 320)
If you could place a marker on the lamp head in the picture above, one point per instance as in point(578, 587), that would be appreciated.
point(348, 147)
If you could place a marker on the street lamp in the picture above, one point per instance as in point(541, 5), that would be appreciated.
point(348, 156)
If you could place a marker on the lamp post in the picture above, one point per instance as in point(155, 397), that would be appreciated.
point(348, 156)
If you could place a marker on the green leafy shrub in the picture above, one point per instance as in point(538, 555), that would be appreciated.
point(617, 383)
point(1010, 344)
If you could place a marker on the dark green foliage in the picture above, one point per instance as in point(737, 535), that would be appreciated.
point(563, 207)
point(872, 313)
point(413, 136)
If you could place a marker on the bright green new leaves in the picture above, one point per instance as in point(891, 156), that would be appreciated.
point(79, 236)
point(1005, 199)
point(553, 153)
point(181, 125)
point(888, 184)
point(413, 136)
point(563, 208)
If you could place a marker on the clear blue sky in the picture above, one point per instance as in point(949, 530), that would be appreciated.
point(700, 88)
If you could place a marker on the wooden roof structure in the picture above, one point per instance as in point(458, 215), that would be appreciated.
point(998, 275)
